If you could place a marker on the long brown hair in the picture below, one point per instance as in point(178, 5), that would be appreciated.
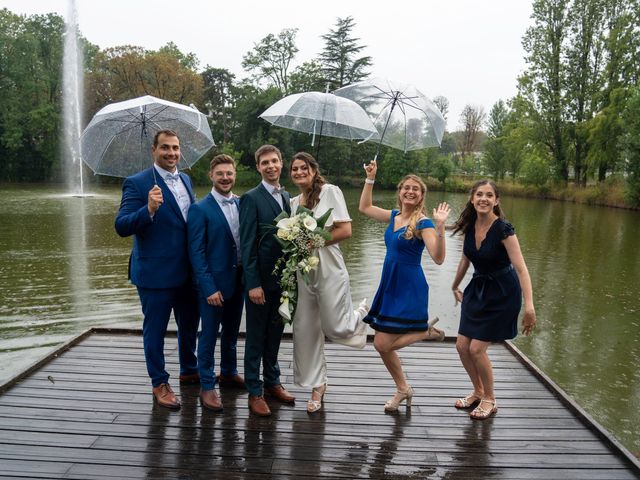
point(418, 211)
point(469, 215)
point(313, 197)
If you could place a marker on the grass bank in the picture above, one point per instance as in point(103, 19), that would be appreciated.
point(610, 193)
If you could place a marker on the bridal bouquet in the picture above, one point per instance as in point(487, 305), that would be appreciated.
point(300, 235)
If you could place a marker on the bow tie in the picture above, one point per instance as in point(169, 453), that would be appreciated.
point(229, 201)
point(277, 190)
point(172, 178)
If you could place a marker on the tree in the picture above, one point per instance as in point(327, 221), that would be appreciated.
point(630, 143)
point(339, 59)
point(271, 58)
point(443, 105)
point(583, 53)
point(218, 100)
point(125, 72)
point(543, 82)
point(471, 120)
point(30, 104)
point(495, 153)
point(307, 78)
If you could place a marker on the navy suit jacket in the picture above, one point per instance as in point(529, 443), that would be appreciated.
point(259, 247)
point(212, 250)
point(159, 258)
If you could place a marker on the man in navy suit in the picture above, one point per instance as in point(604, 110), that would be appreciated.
point(214, 250)
point(260, 251)
point(154, 208)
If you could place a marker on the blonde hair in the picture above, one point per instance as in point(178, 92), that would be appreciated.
point(418, 211)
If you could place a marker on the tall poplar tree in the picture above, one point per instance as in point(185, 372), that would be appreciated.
point(544, 81)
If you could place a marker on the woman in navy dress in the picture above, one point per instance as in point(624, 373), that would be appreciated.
point(399, 312)
point(492, 300)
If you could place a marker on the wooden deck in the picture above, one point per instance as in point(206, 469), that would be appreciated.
point(87, 413)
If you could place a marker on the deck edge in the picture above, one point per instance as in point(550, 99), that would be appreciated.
point(573, 407)
point(46, 359)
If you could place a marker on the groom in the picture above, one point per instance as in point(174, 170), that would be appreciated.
point(260, 251)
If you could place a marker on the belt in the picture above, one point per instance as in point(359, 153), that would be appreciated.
point(483, 278)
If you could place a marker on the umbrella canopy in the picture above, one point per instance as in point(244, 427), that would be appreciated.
point(117, 141)
point(405, 118)
point(321, 114)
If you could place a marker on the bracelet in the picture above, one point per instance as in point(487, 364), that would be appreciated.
point(369, 181)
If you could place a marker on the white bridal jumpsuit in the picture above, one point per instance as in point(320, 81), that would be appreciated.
point(324, 306)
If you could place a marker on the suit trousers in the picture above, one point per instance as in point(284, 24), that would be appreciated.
point(264, 332)
point(157, 304)
point(213, 318)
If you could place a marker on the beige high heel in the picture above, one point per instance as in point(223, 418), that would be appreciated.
point(393, 403)
point(315, 405)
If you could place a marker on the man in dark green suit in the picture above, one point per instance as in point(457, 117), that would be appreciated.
point(260, 251)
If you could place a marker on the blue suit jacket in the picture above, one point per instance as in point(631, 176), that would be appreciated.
point(159, 258)
point(212, 250)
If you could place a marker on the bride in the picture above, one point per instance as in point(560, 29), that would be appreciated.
point(324, 306)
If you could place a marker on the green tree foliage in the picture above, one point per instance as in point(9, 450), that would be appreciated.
point(495, 153)
point(125, 72)
point(534, 170)
point(340, 60)
point(307, 78)
point(630, 142)
point(271, 59)
point(219, 101)
point(30, 81)
point(544, 82)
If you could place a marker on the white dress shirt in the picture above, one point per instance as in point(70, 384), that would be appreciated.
point(277, 195)
point(231, 213)
point(177, 187)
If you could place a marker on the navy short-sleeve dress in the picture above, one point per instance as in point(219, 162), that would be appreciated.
point(401, 302)
point(492, 300)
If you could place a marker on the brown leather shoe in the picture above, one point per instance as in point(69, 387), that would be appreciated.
point(210, 400)
point(189, 379)
point(231, 381)
point(258, 406)
point(279, 392)
point(165, 397)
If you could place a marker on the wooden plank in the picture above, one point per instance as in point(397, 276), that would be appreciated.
point(88, 413)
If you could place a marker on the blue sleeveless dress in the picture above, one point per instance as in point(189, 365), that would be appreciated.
point(401, 302)
point(492, 300)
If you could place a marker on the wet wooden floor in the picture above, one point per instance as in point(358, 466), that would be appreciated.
point(87, 413)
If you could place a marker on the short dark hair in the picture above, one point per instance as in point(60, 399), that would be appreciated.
point(267, 149)
point(220, 159)
point(167, 132)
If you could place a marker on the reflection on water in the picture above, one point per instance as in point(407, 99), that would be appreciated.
point(63, 269)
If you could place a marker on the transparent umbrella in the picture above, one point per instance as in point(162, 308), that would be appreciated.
point(117, 141)
point(319, 113)
point(405, 118)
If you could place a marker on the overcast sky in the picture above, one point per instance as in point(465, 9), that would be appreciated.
point(469, 51)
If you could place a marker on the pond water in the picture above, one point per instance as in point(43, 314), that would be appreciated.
point(63, 269)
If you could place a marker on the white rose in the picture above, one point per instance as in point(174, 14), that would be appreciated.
point(313, 262)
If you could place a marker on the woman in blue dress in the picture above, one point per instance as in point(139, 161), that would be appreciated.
point(399, 312)
point(492, 300)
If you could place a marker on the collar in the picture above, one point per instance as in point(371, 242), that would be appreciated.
point(218, 197)
point(166, 173)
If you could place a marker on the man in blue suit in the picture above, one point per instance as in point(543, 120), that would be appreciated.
point(154, 208)
point(260, 251)
point(214, 250)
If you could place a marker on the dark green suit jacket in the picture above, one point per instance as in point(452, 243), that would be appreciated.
point(259, 249)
